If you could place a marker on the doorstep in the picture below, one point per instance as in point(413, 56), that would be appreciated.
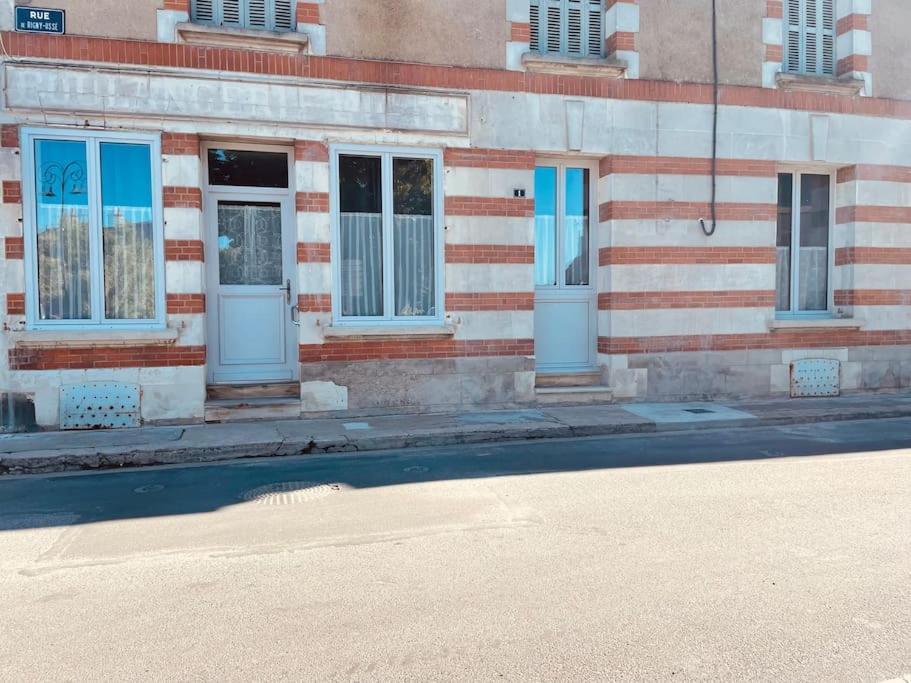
point(243, 409)
point(575, 395)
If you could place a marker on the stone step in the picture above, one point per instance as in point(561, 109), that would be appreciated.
point(573, 396)
point(236, 410)
point(216, 392)
point(583, 378)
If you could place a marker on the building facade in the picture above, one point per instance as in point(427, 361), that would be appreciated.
point(217, 209)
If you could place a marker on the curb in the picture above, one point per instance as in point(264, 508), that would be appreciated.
point(106, 458)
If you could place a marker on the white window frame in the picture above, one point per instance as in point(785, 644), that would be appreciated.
point(819, 33)
point(794, 312)
point(585, 40)
point(386, 155)
point(244, 11)
point(93, 140)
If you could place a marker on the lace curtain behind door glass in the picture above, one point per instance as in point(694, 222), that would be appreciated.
point(249, 243)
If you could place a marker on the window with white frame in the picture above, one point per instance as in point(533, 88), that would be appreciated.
point(809, 37)
point(269, 15)
point(388, 242)
point(804, 218)
point(95, 248)
point(571, 28)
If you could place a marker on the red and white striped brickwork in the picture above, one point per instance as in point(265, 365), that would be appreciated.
point(621, 31)
point(854, 42)
point(676, 308)
point(170, 371)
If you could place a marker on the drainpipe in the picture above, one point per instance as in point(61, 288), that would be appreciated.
point(711, 231)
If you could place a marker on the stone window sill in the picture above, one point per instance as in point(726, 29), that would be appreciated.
point(244, 39)
point(827, 85)
point(82, 338)
point(374, 331)
point(555, 64)
point(790, 324)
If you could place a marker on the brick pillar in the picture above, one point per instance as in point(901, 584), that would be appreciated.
point(621, 29)
point(854, 43)
point(773, 41)
point(310, 22)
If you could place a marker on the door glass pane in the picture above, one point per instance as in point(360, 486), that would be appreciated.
point(62, 220)
point(360, 235)
point(545, 226)
point(575, 228)
point(412, 189)
point(250, 243)
point(247, 168)
point(127, 236)
point(783, 242)
point(814, 242)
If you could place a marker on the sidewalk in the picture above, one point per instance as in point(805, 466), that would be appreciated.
point(67, 451)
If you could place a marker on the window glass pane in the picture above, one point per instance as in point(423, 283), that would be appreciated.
point(62, 220)
point(783, 241)
point(127, 232)
point(545, 226)
point(360, 235)
point(413, 239)
point(814, 243)
point(250, 243)
point(575, 228)
point(247, 168)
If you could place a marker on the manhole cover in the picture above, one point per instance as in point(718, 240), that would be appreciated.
point(289, 492)
point(698, 411)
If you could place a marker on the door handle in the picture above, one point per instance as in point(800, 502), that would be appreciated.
point(287, 290)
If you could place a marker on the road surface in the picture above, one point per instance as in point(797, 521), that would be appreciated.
point(753, 554)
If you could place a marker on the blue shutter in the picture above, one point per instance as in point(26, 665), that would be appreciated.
point(810, 37)
point(573, 28)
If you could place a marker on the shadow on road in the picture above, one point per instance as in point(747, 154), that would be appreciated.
point(55, 500)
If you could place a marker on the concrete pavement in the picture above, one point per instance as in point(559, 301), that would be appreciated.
point(776, 553)
point(65, 451)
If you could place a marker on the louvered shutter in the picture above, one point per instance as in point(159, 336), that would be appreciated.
point(231, 14)
point(827, 36)
point(272, 15)
point(284, 19)
point(204, 11)
point(794, 36)
point(256, 14)
point(810, 37)
point(574, 28)
point(595, 28)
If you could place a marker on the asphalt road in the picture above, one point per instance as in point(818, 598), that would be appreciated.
point(753, 554)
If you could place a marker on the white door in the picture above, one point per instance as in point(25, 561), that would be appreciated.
point(250, 260)
point(565, 316)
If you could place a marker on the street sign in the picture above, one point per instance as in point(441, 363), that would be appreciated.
point(37, 20)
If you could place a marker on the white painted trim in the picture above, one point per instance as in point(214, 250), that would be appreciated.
point(386, 155)
point(551, 293)
point(93, 140)
point(286, 197)
point(794, 312)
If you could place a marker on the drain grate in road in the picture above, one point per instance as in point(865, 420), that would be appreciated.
point(289, 492)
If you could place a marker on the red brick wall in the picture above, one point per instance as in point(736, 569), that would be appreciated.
point(490, 301)
point(313, 252)
point(186, 144)
point(312, 202)
point(648, 255)
point(700, 299)
point(184, 250)
point(93, 357)
point(489, 253)
point(182, 197)
point(186, 303)
point(392, 348)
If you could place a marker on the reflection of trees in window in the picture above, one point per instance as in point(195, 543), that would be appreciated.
point(63, 264)
point(129, 263)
